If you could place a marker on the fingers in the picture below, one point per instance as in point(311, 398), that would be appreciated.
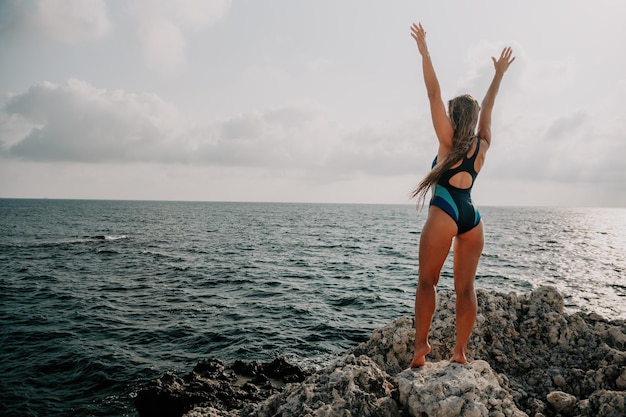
point(419, 35)
point(506, 55)
point(501, 64)
point(417, 30)
point(417, 27)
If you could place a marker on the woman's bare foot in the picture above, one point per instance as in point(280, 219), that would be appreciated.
point(419, 358)
point(458, 356)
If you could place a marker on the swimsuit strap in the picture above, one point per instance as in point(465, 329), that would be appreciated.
point(477, 148)
point(467, 164)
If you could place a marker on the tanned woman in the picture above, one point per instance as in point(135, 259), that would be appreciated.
point(464, 135)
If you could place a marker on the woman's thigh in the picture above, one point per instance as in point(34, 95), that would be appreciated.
point(468, 248)
point(435, 243)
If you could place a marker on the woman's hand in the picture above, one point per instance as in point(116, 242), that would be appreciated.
point(502, 63)
point(419, 34)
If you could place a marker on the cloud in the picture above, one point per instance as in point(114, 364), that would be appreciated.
point(77, 122)
point(195, 14)
point(567, 126)
point(66, 21)
point(161, 25)
point(479, 68)
point(564, 145)
point(163, 44)
point(400, 147)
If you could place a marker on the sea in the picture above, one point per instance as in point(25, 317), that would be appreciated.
point(99, 297)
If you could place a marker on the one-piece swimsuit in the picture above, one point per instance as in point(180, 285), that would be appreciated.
point(457, 202)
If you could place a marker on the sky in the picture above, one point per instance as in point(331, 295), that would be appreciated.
point(305, 101)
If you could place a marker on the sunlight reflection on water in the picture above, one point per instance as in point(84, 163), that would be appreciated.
point(580, 251)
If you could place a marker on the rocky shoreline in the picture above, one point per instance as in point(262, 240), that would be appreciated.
point(527, 358)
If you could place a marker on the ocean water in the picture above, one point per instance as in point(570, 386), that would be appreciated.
point(98, 297)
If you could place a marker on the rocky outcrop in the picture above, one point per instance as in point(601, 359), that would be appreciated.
point(527, 357)
point(215, 390)
point(527, 339)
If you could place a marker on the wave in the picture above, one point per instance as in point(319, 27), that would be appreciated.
point(110, 237)
point(54, 242)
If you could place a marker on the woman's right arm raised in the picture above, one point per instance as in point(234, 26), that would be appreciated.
point(484, 121)
point(441, 121)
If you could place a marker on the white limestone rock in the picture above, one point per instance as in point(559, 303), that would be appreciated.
point(350, 386)
point(527, 339)
point(444, 389)
point(210, 412)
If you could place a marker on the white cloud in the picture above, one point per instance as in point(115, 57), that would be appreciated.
point(161, 26)
point(564, 145)
point(162, 43)
point(480, 68)
point(66, 21)
point(77, 122)
point(197, 13)
point(193, 13)
point(405, 146)
point(549, 77)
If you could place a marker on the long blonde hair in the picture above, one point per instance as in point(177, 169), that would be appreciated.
point(463, 111)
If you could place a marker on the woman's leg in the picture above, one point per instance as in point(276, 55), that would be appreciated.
point(467, 250)
point(435, 242)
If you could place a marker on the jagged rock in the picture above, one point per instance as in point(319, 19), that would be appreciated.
point(351, 386)
point(214, 390)
point(563, 402)
point(621, 380)
point(390, 346)
point(604, 403)
point(526, 338)
point(278, 369)
point(444, 389)
point(210, 412)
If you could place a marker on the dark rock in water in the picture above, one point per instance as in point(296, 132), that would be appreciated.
point(216, 388)
point(277, 369)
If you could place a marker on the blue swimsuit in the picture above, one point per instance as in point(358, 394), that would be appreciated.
point(457, 202)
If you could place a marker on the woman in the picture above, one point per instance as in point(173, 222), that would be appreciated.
point(451, 214)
